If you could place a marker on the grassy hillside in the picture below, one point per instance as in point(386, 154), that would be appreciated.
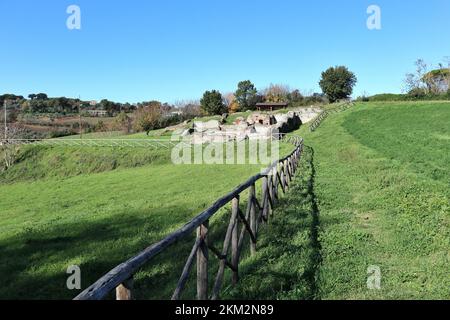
point(38, 162)
point(97, 207)
point(374, 190)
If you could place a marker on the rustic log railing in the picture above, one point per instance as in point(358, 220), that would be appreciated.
point(324, 114)
point(276, 176)
point(132, 143)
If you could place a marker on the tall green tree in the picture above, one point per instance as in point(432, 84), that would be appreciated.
point(212, 103)
point(337, 83)
point(246, 95)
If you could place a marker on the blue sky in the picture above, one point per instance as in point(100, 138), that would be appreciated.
point(139, 50)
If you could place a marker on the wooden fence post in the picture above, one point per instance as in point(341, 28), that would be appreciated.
point(274, 185)
point(235, 240)
point(284, 176)
point(270, 189)
point(125, 290)
point(202, 262)
point(291, 166)
point(252, 218)
point(265, 203)
point(294, 161)
point(288, 173)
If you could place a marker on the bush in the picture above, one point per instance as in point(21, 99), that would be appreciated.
point(363, 99)
point(417, 94)
point(59, 134)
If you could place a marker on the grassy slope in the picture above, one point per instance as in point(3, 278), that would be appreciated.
point(363, 199)
point(96, 207)
point(375, 193)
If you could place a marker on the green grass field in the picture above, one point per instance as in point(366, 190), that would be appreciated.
point(97, 207)
point(373, 189)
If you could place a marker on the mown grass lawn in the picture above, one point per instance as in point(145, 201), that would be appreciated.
point(374, 191)
point(97, 207)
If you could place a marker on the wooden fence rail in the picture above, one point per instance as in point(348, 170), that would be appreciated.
point(132, 143)
point(276, 176)
point(324, 114)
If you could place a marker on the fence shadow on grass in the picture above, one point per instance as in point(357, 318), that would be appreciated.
point(289, 253)
point(34, 261)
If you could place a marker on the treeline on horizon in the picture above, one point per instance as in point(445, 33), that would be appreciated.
point(42, 104)
point(336, 83)
point(55, 113)
point(411, 96)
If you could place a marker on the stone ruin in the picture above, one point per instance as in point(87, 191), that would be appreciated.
point(308, 114)
point(256, 126)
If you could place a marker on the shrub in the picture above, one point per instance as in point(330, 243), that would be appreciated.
point(417, 93)
point(147, 118)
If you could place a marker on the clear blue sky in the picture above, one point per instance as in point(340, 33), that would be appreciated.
point(139, 50)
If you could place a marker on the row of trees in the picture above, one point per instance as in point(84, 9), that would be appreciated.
point(247, 96)
point(41, 103)
point(336, 83)
point(143, 116)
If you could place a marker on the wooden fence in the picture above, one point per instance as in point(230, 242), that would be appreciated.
point(324, 114)
point(276, 176)
point(131, 143)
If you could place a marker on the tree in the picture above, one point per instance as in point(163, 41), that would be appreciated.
point(246, 95)
point(276, 93)
point(107, 105)
point(100, 127)
point(437, 81)
point(8, 148)
point(147, 118)
point(416, 81)
point(228, 98)
point(41, 96)
point(11, 99)
point(212, 103)
point(337, 83)
point(295, 97)
point(123, 122)
point(233, 107)
point(189, 108)
point(231, 102)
